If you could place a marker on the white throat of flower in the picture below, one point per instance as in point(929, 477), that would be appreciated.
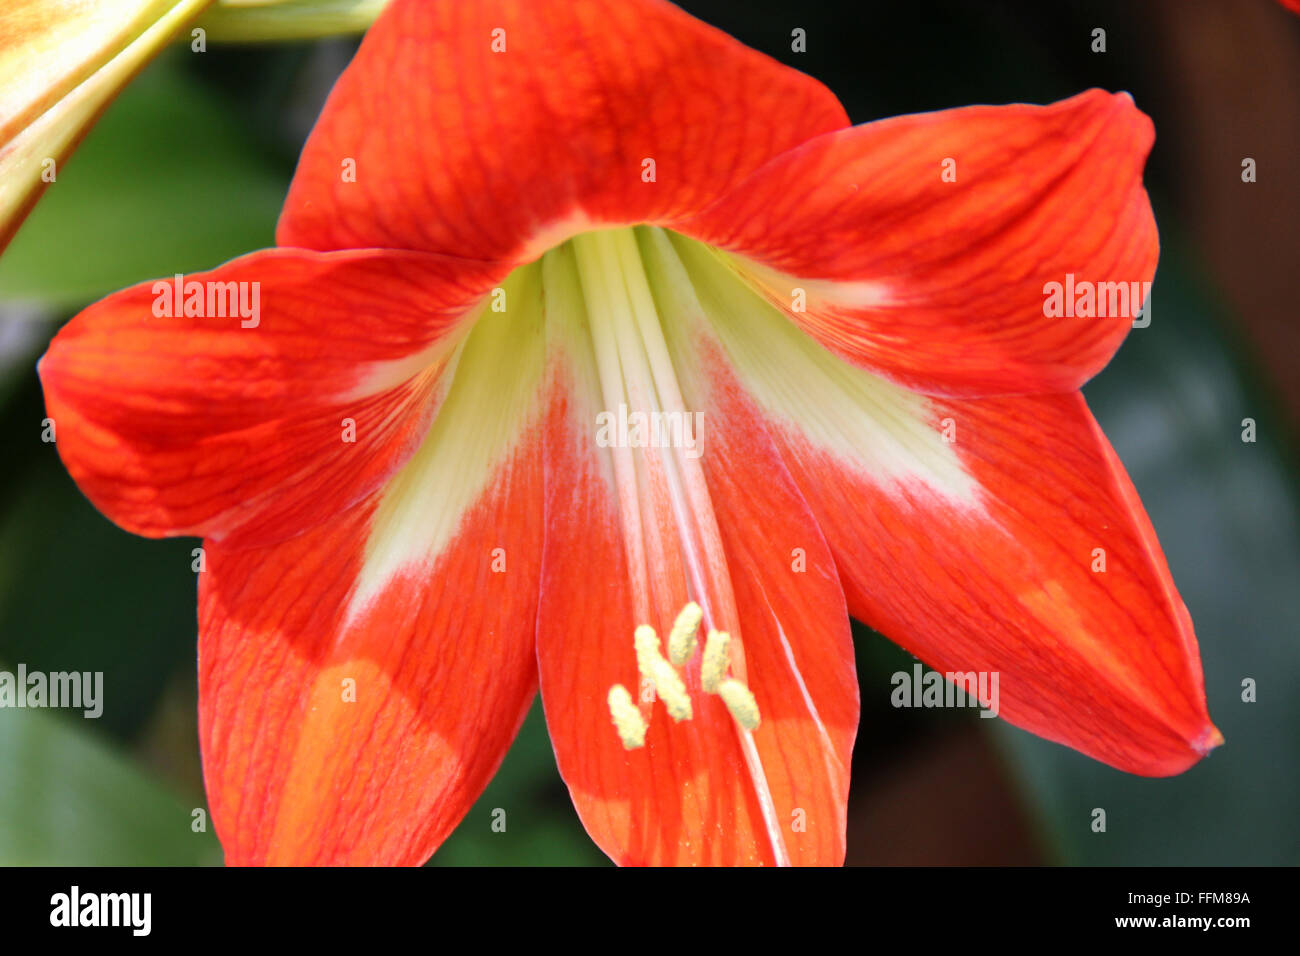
point(638, 318)
point(635, 368)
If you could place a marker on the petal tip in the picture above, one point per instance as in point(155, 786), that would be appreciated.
point(1209, 740)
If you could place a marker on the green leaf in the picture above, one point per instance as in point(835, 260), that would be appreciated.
point(66, 799)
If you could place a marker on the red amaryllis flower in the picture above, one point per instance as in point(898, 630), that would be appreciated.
point(582, 314)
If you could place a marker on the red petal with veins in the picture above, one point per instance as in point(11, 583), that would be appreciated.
point(996, 535)
point(939, 285)
point(799, 653)
point(514, 123)
point(1050, 575)
point(687, 797)
point(347, 730)
point(691, 795)
point(197, 425)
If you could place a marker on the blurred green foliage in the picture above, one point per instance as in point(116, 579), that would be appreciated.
point(66, 798)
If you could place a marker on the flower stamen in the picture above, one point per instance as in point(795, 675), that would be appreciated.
point(681, 641)
point(654, 667)
point(629, 723)
point(635, 315)
point(662, 674)
point(740, 701)
point(717, 657)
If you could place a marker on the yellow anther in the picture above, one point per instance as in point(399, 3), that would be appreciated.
point(672, 691)
point(653, 666)
point(717, 658)
point(740, 702)
point(681, 642)
point(647, 650)
point(627, 718)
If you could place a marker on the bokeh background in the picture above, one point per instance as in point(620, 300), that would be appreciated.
point(188, 169)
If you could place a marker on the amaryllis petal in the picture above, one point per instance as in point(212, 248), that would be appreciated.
point(994, 535)
point(922, 247)
point(51, 46)
point(61, 63)
point(702, 790)
point(1051, 577)
point(798, 651)
point(360, 683)
point(307, 381)
point(243, 21)
point(516, 125)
